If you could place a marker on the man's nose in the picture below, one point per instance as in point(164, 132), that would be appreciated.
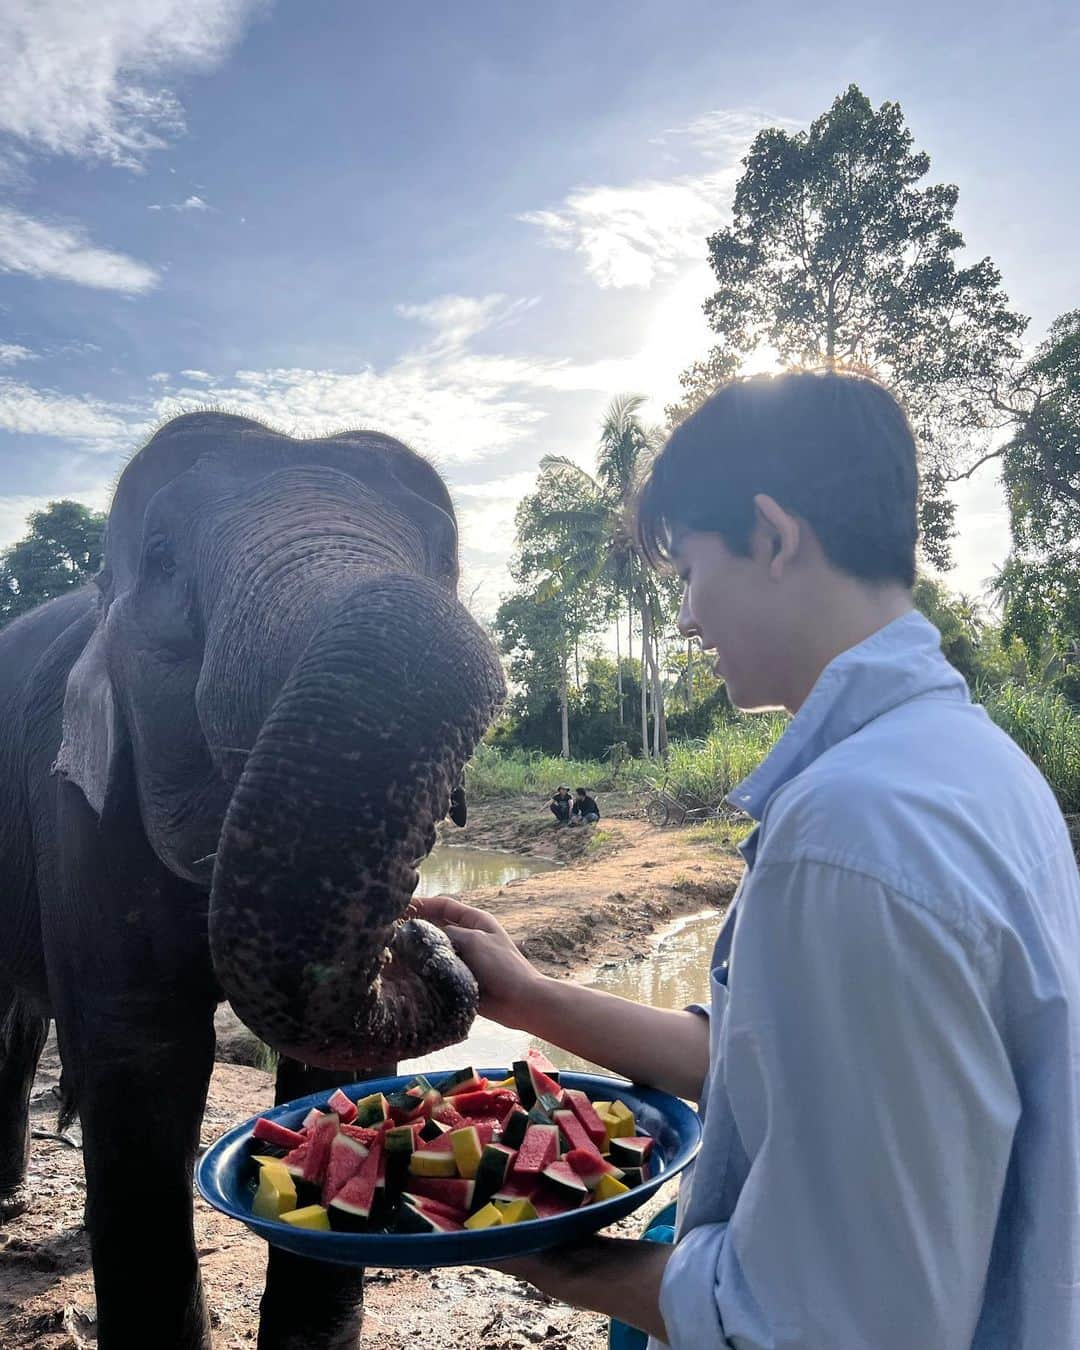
point(687, 624)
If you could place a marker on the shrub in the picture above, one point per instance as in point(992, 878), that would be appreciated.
point(1047, 728)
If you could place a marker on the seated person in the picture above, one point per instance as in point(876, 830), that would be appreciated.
point(560, 804)
point(585, 810)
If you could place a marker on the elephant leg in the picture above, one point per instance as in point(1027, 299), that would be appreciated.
point(311, 1305)
point(22, 1034)
point(141, 1094)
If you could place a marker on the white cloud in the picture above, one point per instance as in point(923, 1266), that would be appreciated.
point(160, 377)
point(634, 233)
point(201, 376)
point(63, 253)
point(154, 207)
point(88, 80)
point(43, 412)
point(630, 236)
point(191, 203)
point(456, 319)
point(11, 353)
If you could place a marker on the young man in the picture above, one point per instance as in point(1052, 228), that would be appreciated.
point(585, 810)
point(890, 1070)
point(560, 804)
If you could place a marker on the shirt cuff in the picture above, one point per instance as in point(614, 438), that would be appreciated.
point(703, 1008)
point(688, 1290)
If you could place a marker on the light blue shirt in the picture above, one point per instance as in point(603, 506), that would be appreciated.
point(891, 1153)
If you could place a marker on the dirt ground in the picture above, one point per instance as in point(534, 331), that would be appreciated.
point(623, 881)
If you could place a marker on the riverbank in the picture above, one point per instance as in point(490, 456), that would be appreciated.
point(622, 883)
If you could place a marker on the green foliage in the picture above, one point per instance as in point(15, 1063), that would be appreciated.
point(709, 768)
point(1040, 582)
point(1047, 728)
point(62, 550)
point(494, 772)
point(837, 254)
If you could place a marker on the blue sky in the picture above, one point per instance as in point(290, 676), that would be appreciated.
point(469, 225)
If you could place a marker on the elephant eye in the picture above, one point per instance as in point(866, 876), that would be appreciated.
point(160, 557)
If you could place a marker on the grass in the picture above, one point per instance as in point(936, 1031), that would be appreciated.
point(1047, 728)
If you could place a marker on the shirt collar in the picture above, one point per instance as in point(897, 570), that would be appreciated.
point(899, 662)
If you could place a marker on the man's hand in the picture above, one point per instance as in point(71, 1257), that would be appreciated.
point(615, 1276)
point(505, 976)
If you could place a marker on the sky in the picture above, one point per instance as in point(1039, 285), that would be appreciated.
point(471, 226)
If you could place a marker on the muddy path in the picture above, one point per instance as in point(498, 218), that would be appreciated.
point(621, 883)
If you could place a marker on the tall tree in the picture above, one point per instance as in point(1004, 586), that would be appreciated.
point(596, 554)
point(1040, 469)
point(62, 550)
point(838, 253)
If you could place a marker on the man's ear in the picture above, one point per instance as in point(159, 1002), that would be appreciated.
point(93, 737)
point(782, 532)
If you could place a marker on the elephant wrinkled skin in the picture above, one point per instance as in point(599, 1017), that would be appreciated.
point(219, 766)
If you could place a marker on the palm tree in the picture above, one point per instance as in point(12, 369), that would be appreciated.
point(600, 553)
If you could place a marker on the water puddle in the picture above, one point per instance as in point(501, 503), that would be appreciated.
point(674, 974)
point(451, 868)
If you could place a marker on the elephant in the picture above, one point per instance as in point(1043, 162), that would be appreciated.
point(219, 766)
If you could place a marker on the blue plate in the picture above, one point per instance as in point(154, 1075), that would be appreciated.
point(225, 1177)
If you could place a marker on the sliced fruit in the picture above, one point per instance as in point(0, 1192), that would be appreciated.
point(432, 1129)
point(516, 1211)
point(539, 1147)
point(372, 1109)
point(548, 1203)
point(346, 1158)
point(343, 1107)
point(457, 1192)
point(436, 1206)
point(357, 1197)
point(270, 1132)
point(577, 1137)
point(413, 1220)
point(634, 1176)
point(463, 1080)
point(311, 1216)
point(484, 1126)
point(514, 1125)
point(467, 1149)
point(590, 1167)
point(363, 1134)
point(492, 1170)
point(631, 1149)
point(446, 1113)
point(561, 1180)
point(403, 1106)
point(579, 1103)
point(485, 1103)
point(318, 1155)
point(537, 1057)
point(276, 1192)
point(517, 1187)
point(296, 1161)
point(429, 1162)
point(488, 1217)
point(548, 1092)
point(607, 1187)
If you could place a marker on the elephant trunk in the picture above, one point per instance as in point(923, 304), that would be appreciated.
point(338, 799)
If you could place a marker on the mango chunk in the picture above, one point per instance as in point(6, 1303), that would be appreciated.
point(515, 1211)
point(432, 1164)
point(276, 1193)
point(608, 1186)
point(311, 1216)
point(467, 1150)
point(488, 1217)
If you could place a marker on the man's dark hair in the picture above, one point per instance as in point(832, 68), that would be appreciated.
point(834, 449)
point(582, 792)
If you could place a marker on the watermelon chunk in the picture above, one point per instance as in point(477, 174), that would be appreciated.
point(345, 1160)
point(413, 1220)
point(490, 1102)
point(436, 1206)
point(577, 1137)
point(446, 1113)
point(562, 1181)
point(517, 1187)
point(356, 1198)
point(539, 1148)
point(453, 1191)
point(579, 1103)
point(632, 1150)
point(514, 1125)
point(495, 1164)
point(270, 1132)
point(483, 1125)
point(545, 1088)
point(363, 1134)
point(547, 1202)
point(343, 1107)
point(537, 1057)
point(464, 1080)
point(404, 1106)
point(312, 1118)
point(590, 1167)
point(372, 1110)
point(318, 1155)
point(295, 1162)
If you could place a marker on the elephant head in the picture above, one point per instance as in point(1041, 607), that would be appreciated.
point(283, 683)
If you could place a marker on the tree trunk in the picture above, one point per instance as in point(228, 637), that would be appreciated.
point(657, 692)
point(564, 700)
point(689, 674)
point(618, 664)
point(577, 666)
point(644, 679)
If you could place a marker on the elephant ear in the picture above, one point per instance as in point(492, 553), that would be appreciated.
point(93, 735)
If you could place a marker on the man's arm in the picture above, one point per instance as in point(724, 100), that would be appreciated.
point(871, 1090)
point(668, 1050)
